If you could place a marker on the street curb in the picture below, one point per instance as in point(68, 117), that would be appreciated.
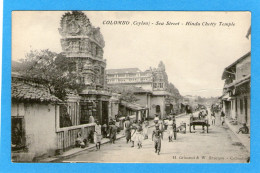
point(238, 136)
point(89, 148)
point(85, 149)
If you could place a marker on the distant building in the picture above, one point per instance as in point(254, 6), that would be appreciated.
point(153, 79)
point(236, 91)
point(153, 85)
point(191, 100)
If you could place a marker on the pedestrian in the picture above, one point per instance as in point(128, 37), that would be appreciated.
point(104, 130)
point(139, 135)
point(127, 126)
point(174, 128)
point(116, 116)
point(110, 122)
point(145, 129)
point(79, 141)
point(133, 133)
point(213, 118)
point(181, 128)
point(244, 129)
point(157, 137)
point(117, 125)
point(170, 129)
point(222, 117)
point(160, 122)
point(165, 123)
point(200, 114)
point(156, 119)
point(97, 135)
point(113, 132)
point(91, 119)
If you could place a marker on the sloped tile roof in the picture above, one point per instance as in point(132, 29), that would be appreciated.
point(140, 90)
point(133, 106)
point(161, 93)
point(22, 90)
point(225, 73)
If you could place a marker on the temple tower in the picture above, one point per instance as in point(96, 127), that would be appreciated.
point(84, 43)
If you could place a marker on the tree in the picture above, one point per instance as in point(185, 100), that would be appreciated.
point(173, 90)
point(127, 93)
point(53, 70)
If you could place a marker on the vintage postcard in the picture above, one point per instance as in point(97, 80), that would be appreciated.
point(131, 86)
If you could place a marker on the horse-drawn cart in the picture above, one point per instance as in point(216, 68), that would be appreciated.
point(198, 121)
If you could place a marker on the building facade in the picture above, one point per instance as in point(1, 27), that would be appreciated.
point(155, 79)
point(236, 91)
point(153, 85)
point(130, 76)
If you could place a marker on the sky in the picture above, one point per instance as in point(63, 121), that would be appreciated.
point(194, 56)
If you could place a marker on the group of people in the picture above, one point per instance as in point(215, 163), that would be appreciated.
point(97, 135)
point(169, 125)
point(244, 129)
point(204, 114)
point(136, 132)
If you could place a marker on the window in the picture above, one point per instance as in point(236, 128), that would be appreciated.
point(161, 85)
point(18, 133)
point(121, 75)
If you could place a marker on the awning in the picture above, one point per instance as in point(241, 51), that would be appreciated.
point(133, 106)
point(131, 117)
point(227, 97)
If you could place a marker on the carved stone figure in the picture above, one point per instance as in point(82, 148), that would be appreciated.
point(86, 46)
point(161, 66)
point(94, 49)
point(99, 52)
point(74, 23)
point(98, 37)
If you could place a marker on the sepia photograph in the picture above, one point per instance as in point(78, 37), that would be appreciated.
point(130, 86)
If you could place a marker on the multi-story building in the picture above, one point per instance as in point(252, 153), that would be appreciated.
point(153, 79)
point(153, 83)
point(236, 91)
point(130, 76)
